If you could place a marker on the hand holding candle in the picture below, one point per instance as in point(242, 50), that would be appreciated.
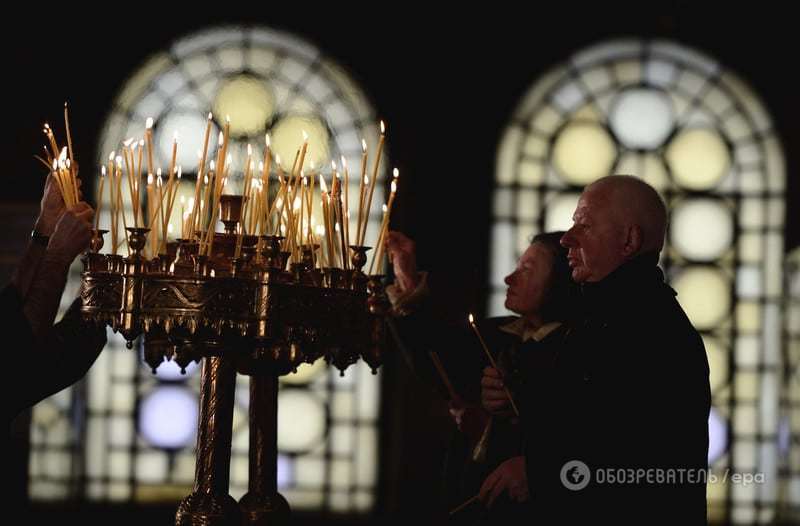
point(491, 361)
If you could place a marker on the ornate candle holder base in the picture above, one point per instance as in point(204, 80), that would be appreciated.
point(261, 510)
point(208, 509)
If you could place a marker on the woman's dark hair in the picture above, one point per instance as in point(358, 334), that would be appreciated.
point(561, 302)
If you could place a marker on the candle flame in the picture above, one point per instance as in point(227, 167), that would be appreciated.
point(471, 319)
point(141, 143)
point(227, 119)
point(333, 165)
point(322, 186)
point(305, 136)
point(385, 208)
point(363, 145)
point(383, 128)
point(394, 186)
point(63, 155)
point(148, 123)
point(211, 165)
point(366, 180)
point(278, 159)
point(266, 139)
point(261, 166)
point(213, 274)
point(249, 149)
point(102, 171)
point(220, 138)
point(396, 173)
point(175, 136)
point(149, 179)
point(172, 265)
point(210, 116)
point(180, 171)
point(158, 172)
point(344, 163)
point(336, 227)
point(127, 143)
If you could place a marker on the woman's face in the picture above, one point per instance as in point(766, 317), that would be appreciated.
point(529, 284)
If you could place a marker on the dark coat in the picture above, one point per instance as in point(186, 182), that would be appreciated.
point(628, 390)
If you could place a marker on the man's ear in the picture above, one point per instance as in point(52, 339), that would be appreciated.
point(633, 241)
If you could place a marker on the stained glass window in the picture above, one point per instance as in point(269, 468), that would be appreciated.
point(125, 434)
point(696, 132)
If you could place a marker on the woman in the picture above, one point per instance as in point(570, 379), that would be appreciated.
point(486, 459)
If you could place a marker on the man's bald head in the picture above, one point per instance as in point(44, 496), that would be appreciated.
point(617, 218)
point(632, 201)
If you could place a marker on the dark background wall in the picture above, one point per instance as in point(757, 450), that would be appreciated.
point(446, 84)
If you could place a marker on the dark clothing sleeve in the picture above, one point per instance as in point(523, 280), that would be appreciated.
point(62, 357)
point(422, 332)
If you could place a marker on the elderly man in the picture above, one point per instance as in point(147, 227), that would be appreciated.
point(621, 430)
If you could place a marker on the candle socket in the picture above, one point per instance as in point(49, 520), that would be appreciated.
point(359, 259)
point(137, 238)
point(230, 212)
point(97, 241)
point(187, 250)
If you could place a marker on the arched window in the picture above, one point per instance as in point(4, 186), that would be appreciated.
point(699, 135)
point(127, 435)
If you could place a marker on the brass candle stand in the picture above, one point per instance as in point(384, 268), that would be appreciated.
point(252, 315)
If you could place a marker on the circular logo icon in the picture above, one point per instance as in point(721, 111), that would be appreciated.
point(575, 475)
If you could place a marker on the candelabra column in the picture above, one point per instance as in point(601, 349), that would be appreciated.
point(263, 505)
point(209, 504)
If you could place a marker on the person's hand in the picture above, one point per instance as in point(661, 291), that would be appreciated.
point(470, 420)
point(402, 253)
point(52, 204)
point(50, 208)
point(493, 397)
point(509, 476)
point(72, 232)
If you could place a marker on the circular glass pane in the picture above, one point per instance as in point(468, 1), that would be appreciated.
point(584, 152)
point(698, 158)
point(702, 229)
point(704, 293)
point(642, 118)
point(168, 417)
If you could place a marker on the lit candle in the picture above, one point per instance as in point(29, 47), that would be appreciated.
point(148, 137)
point(385, 223)
point(346, 218)
point(362, 181)
point(374, 180)
point(100, 196)
point(491, 360)
point(201, 172)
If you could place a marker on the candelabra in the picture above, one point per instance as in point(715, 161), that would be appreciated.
point(255, 315)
